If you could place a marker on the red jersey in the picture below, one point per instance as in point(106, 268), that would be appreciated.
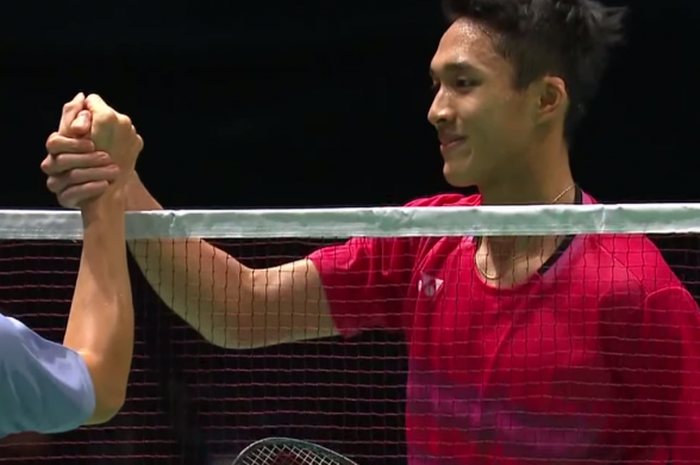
point(596, 358)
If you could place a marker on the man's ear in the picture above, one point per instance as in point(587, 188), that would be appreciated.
point(553, 98)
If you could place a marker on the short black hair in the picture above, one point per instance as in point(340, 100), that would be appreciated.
point(571, 39)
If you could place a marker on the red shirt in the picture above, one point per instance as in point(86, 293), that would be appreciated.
point(596, 358)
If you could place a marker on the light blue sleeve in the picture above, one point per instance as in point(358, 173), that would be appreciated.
point(44, 386)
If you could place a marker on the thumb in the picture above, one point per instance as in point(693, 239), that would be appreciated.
point(70, 110)
point(80, 127)
point(94, 103)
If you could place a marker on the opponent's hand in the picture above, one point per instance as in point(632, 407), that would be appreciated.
point(113, 133)
point(94, 147)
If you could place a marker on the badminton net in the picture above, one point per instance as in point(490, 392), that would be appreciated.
point(192, 402)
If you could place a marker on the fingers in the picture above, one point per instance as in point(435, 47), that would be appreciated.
point(82, 124)
point(58, 183)
point(56, 164)
point(57, 143)
point(70, 111)
point(79, 178)
point(78, 166)
point(78, 195)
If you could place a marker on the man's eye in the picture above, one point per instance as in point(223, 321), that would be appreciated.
point(463, 83)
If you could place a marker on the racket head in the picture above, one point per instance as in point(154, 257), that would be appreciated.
point(287, 451)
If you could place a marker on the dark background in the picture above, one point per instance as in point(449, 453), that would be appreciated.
point(280, 105)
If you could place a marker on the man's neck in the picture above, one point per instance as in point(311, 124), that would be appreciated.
point(540, 177)
point(544, 177)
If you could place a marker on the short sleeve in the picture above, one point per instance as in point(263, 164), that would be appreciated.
point(44, 386)
point(655, 351)
point(671, 335)
point(365, 281)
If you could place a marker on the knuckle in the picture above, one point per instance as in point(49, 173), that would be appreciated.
point(113, 171)
point(46, 164)
point(124, 120)
point(66, 200)
point(79, 176)
point(69, 177)
point(105, 117)
point(51, 140)
point(53, 184)
point(93, 98)
point(111, 116)
point(102, 158)
point(59, 162)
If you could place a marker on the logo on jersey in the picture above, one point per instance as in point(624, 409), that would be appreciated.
point(429, 285)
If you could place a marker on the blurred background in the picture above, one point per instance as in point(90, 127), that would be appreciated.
point(296, 104)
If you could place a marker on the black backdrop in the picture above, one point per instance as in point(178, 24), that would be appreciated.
point(267, 105)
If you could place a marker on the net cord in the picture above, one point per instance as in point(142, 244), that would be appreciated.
point(531, 220)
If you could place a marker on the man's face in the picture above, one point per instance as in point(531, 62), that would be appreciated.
point(484, 124)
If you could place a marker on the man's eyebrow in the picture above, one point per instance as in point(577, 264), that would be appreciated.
point(455, 67)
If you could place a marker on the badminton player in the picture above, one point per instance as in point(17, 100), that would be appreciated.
point(563, 349)
point(48, 387)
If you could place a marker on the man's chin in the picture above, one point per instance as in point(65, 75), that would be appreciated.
point(458, 178)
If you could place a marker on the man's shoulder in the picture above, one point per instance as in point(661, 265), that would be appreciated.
point(413, 248)
point(41, 373)
point(23, 350)
point(11, 332)
point(424, 247)
point(447, 200)
point(631, 258)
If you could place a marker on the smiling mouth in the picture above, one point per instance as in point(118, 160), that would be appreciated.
point(447, 146)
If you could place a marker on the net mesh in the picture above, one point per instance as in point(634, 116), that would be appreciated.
point(192, 402)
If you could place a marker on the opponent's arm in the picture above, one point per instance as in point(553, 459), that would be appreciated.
point(231, 305)
point(101, 322)
point(48, 387)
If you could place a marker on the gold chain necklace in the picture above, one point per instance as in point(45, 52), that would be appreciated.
point(522, 254)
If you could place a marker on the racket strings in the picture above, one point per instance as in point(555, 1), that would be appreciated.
point(276, 454)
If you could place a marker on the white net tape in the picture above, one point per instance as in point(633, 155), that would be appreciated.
point(649, 218)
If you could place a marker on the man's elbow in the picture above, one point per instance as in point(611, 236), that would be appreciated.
point(224, 341)
point(242, 340)
point(107, 406)
point(110, 392)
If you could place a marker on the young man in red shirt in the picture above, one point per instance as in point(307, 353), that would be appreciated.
point(522, 350)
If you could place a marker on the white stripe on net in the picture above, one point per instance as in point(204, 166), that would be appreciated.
point(646, 218)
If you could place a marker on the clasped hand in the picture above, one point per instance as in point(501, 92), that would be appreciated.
point(94, 151)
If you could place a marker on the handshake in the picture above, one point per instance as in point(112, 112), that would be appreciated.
point(93, 152)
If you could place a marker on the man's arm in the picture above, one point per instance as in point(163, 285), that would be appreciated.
point(101, 322)
point(48, 387)
point(231, 305)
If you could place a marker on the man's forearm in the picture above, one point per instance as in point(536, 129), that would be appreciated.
point(205, 286)
point(101, 322)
